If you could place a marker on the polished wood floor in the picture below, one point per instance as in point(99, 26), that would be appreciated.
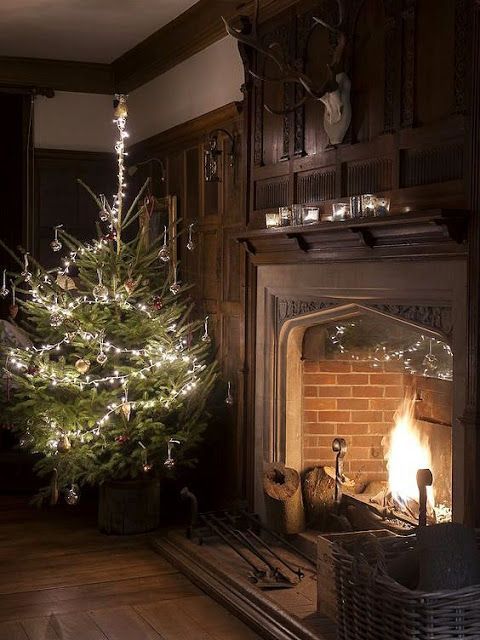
point(62, 580)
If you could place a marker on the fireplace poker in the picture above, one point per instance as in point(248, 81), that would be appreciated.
point(276, 536)
point(258, 574)
point(241, 537)
point(339, 446)
point(298, 572)
point(424, 480)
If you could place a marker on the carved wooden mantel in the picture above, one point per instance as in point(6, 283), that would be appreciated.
point(435, 232)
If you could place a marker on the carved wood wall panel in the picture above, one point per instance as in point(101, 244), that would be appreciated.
point(272, 193)
point(402, 92)
point(216, 267)
point(435, 164)
point(369, 176)
point(461, 35)
point(409, 11)
point(315, 186)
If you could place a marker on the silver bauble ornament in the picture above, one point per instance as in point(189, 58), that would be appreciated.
point(175, 288)
point(4, 292)
point(164, 254)
point(190, 245)
point(56, 319)
point(72, 496)
point(103, 215)
point(147, 467)
point(102, 358)
point(100, 292)
point(430, 362)
point(56, 245)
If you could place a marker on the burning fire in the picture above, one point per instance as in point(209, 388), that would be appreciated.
point(406, 452)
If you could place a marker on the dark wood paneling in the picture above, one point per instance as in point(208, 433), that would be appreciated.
point(368, 72)
point(272, 193)
point(60, 199)
point(216, 267)
point(435, 60)
point(433, 164)
point(408, 62)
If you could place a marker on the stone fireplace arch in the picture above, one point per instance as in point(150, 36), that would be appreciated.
point(288, 412)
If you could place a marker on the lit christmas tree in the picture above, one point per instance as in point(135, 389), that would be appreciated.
point(117, 373)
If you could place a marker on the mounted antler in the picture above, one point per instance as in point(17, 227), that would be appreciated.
point(289, 71)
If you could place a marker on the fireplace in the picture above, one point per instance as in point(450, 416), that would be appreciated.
point(342, 351)
point(384, 385)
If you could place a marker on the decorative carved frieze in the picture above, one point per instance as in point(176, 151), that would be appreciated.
point(282, 36)
point(288, 308)
point(391, 64)
point(438, 317)
point(434, 317)
point(409, 11)
point(303, 31)
point(258, 124)
point(461, 31)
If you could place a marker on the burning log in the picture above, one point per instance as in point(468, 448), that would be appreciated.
point(283, 498)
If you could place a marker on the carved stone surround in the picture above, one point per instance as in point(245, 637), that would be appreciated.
point(430, 294)
point(437, 318)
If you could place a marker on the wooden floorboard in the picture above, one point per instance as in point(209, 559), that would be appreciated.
point(60, 579)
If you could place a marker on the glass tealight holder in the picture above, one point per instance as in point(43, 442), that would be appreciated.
point(310, 215)
point(297, 214)
point(285, 214)
point(369, 202)
point(272, 219)
point(340, 211)
point(355, 206)
point(382, 206)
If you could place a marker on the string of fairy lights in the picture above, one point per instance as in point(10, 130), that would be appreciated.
point(423, 348)
point(36, 361)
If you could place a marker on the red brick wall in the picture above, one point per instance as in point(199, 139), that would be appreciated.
point(357, 401)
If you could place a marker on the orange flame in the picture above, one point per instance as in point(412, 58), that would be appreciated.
point(406, 452)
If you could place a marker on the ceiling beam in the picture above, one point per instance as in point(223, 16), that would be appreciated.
point(60, 75)
point(191, 32)
point(194, 30)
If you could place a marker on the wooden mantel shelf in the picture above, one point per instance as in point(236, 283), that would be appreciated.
point(433, 232)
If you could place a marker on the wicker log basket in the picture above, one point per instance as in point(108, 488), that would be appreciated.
point(373, 606)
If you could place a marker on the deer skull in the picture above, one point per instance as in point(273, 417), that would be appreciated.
point(338, 110)
point(333, 91)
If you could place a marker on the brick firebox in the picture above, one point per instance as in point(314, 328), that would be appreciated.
point(357, 400)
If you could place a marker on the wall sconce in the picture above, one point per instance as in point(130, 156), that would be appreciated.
point(212, 154)
point(133, 168)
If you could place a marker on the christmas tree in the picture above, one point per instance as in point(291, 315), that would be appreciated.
point(117, 372)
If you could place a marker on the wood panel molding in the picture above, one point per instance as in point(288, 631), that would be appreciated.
point(187, 132)
point(61, 75)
